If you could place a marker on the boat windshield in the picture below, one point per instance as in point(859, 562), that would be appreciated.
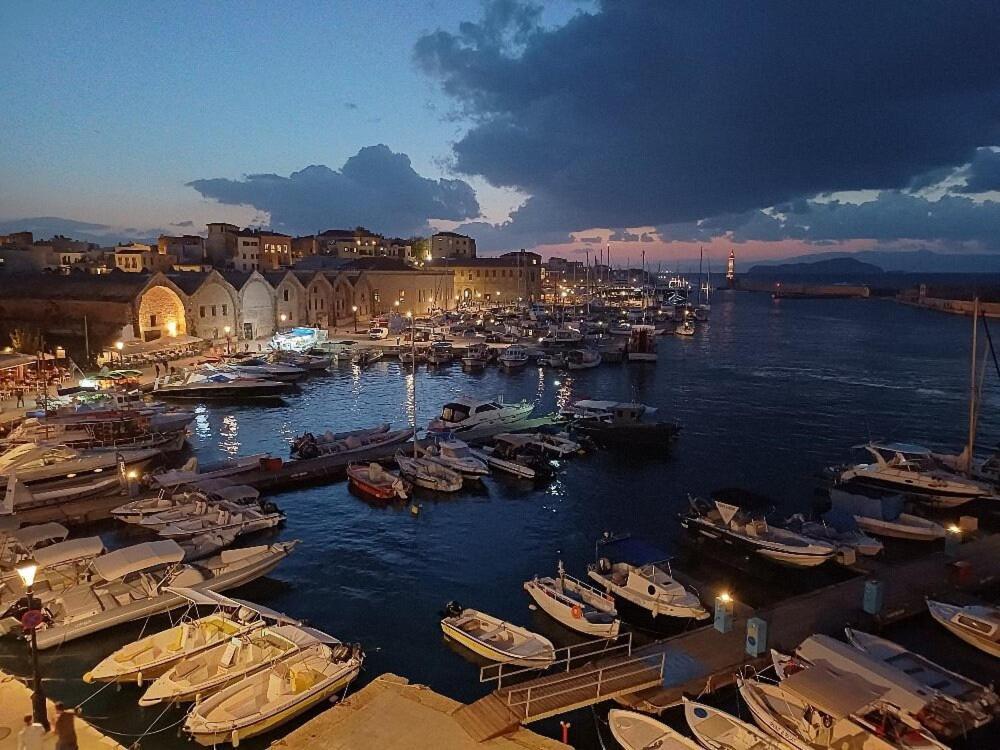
point(454, 413)
point(456, 452)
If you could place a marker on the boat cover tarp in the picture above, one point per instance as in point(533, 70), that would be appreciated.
point(840, 520)
point(303, 637)
point(209, 598)
point(120, 563)
point(71, 549)
point(633, 551)
point(902, 690)
point(886, 508)
point(29, 536)
point(835, 693)
point(238, 493)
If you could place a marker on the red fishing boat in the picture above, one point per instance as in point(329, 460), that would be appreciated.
point(375, 482)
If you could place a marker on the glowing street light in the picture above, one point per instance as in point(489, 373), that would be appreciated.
point(354, 309)
point(227, 330)
point(30, 621)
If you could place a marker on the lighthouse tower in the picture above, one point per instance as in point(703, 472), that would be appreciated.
point(731, 270)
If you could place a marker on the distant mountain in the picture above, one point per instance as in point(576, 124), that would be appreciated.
point(46, 227)
point(907, 261)
point(839, 268)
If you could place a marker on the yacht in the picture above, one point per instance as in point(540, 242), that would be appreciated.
point(513, 357)
point(476, 357)
point(468, 413)
point(255, 367)
point(456, 455)
point(627, 426)
point(749, 531)
point(217, 384)
point(910, 470)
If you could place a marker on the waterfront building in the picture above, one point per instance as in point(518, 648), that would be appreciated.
point(188, 249)
point(140, 258)
point(505, 279)
point(451, 245)
point(220, 245)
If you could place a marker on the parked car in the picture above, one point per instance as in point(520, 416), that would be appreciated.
point(377, 334)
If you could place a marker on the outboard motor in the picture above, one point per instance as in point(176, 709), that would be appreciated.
point(453, 609)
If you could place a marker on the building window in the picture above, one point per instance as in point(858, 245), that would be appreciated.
point(213, 311)
point(402, 294)
point(376, 296)
point(152, 321)
point(201, 312)
point(285, 295)
point(225, 310)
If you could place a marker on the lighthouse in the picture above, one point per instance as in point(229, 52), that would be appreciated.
point(731, 270)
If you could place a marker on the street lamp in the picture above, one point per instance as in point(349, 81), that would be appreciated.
point(119, 345)
point(227, 330)
point(354, 309)
point(30, 621)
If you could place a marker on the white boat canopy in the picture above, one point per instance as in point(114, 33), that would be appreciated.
point(304, 637)
point(64, 552)
point(29, 536)
point(209, 598)
point(834, 693)
point(120, 563)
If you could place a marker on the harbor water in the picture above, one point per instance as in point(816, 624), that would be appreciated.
point(768, 393)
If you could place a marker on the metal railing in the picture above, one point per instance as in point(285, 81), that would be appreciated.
point(564, 657)
point(518, 698)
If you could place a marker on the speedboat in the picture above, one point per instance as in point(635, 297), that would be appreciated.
point(838, 528)
point(627, 425)
point(60, 565)
point(576, 605)
point(131, 584)
point(254, 367)
point(107, 430)
point(977, 703)
point(496, 640)
point(182, 501)
point(588, 409)
point(685, 328)
point(423, 472)
point(467, 413)
point(321, 667)
point(513, 357)
point(514, 452)
point(222, 517)
point(977, 625)
point(217, 384)
point(352, 441)
point(150, 657)
point(748, 530)
point(882, 515)
point(640, 574)
point(718, 730)
point(456, 455)
point(365, 356)
point(582, 359)
point(440, 353)
point(375, 482)
point(911, 471)
point(558, 446)
point(18, 542)
point(635, 731)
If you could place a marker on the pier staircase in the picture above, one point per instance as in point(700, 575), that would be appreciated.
point(588, 673)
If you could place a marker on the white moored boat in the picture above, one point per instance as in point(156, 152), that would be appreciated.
point(220, 518)
point(423, 472)
point(718, 730)
point(575, 604)
point(320, 667)
point(494, 639)
point(456, 455)
point(345, 443)
point(60, 565)
point(150, 657)
point(513, 357)
point(884, 516)
point(151, 511)
point(582, 359)
point(977, 625)
point(635, 731)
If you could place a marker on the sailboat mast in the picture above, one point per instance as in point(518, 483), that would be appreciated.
point(971, 444)
point(413, 356)
point(701, 261)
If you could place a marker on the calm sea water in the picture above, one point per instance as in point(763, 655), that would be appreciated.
point(767, 392)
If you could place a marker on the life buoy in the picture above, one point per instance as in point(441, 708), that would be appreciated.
point(577, 612)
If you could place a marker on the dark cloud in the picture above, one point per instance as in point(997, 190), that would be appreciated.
point(984, 172)
point(376, 188)
point(651, 113)
point(591, 240)
point(183, 224)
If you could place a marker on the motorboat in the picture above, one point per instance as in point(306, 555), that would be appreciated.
point(352, 441)
point(18, 542)
point(628, 425)
point(255, 367)
point(208, 384)
point(977, 703)
point(820, 707)
point(468, 413)
point(226, 662)
point(456, 455)
point(902, 691)
point(408, 357)
point(321, 667)
point(641, 344)
point(106, 430)
point(636, 572)
point(367, 355)
point(488, 456)
point(60, 565)
point(192, 473)
point(557, 446)
point(685, 328)
point(221, 517)
point(522, 450)
point(882, 515)
point(513, 357)
point(838, 528)
point(555, 359)
point(426, 473)
point(588, 409)
point(582, 359)
point(718, 730)
point(477, 356)
point(298, 339)
point(575, 604)
point(131, 584)
point(207, 543)
point(151, 656)
point(440, 353)
point(182, 501)
point(977, 625)
point(496, 640)
point(750, 531)
point(375, 482)
point(635, 731)
point(57, 473)
point(313, 360)
point(910, 470)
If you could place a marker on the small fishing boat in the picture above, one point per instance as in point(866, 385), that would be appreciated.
point(641, 574)
point(978, 703)
point(408, 357)
point(222, 517)
point(255, 367)
point(477, 356)
point(641, 344)
point(376, 482)
point(883, 516)
point(635, 731)
point(513, 357)
point(150, 657)
point(582, 359)
point(456, 455)
point(440, 353)
point(321, 667)
point(558, 446)
point(522, 450)
point(977, 625)
point(718, 730)
point(367, 355)
point(423, 472)
point(507, 467)
point(494, 639)
point(837, 528)
point(352, 441)
point(575, 604)
point(685, 328)
point(182, 501)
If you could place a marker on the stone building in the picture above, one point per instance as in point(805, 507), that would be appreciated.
point(505, 279)
point(451, 245)
point(220, 245)
point(188, 249)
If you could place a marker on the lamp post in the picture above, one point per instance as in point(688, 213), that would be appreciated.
point(354, 309)
point(30, 621)
point(283, 317)
point(227, 330)
point(119, 345)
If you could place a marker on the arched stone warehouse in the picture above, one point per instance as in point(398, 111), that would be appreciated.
point(256, 308)
point(160, 313)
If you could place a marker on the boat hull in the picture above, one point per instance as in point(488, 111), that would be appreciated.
point(564, 615)
point(490, 653)
point(942, 613)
